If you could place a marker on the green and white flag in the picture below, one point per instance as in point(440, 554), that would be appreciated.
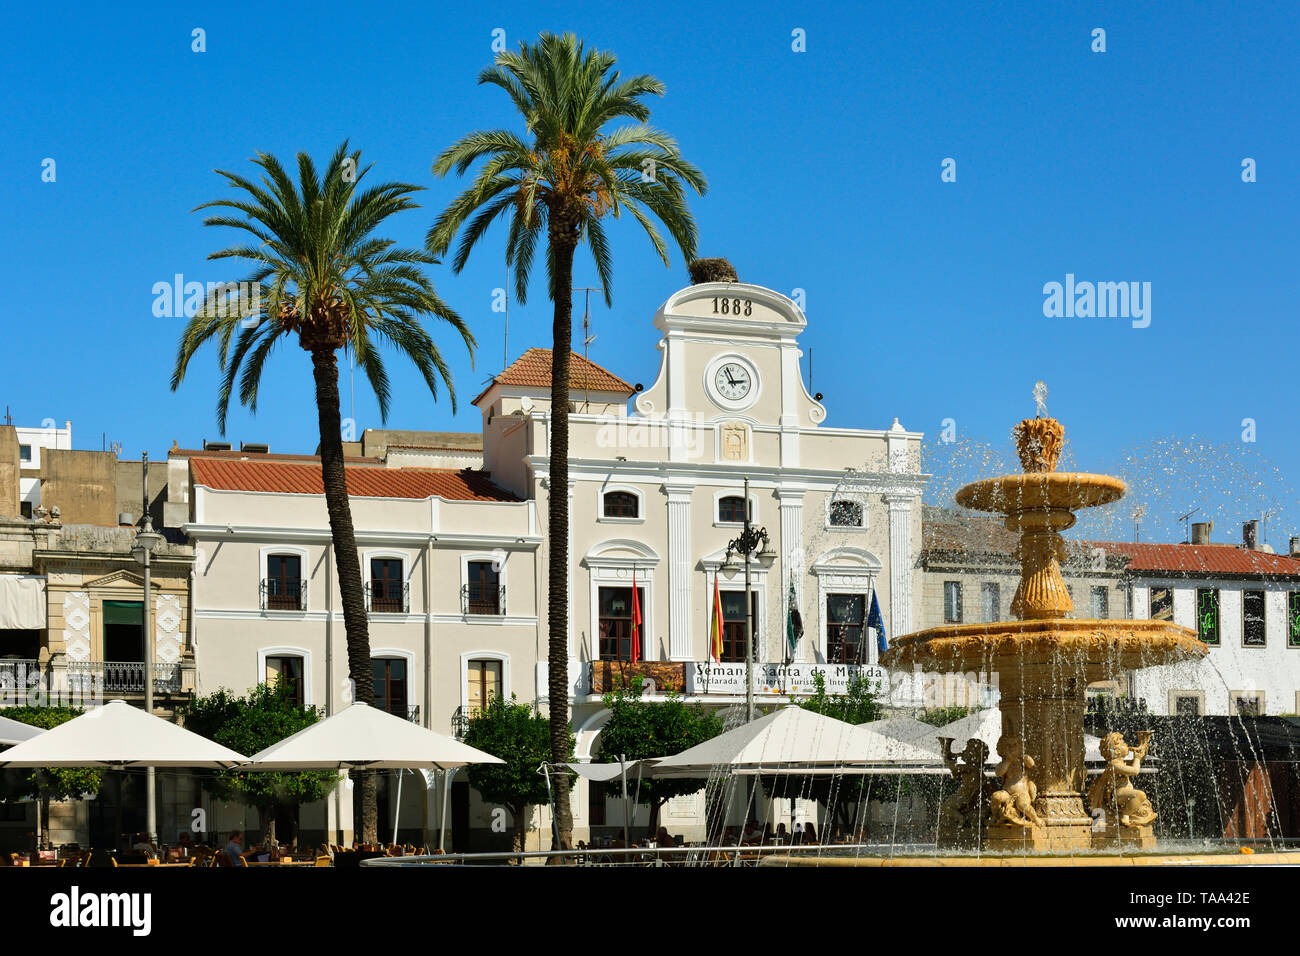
point(793, 621)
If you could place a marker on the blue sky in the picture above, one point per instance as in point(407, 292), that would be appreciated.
point(924, 298)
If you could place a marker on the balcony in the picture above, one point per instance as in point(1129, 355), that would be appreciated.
point(279, 595)
point(17, 676)
point(123, 677)
point(388, 597)
point(477, 599)
point(459, 723)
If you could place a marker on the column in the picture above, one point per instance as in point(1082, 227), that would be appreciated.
point(792, 563)
point(900, 564)
point(679, 572)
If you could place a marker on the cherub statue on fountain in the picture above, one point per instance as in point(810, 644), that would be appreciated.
point(1113, 792)
point(962, 816)
point(1013, 805)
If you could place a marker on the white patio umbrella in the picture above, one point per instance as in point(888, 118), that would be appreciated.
point(15, 732)
point(909, 730)
point(119, 735)
point(792, 740)
point(364, 738)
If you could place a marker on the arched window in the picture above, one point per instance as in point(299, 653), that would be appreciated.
point(621, 504)
point(731, 509)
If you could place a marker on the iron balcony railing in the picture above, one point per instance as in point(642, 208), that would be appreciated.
point(413, 713)
point(482, 599)
point(17, 677)
point(388, 597)
point(278, 595)
point(459, 722)
point(123, 677)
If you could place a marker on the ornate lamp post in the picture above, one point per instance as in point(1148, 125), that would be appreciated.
point(146, 542)
point(752, 540)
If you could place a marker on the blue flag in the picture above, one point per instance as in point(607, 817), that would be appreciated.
point(875, 620)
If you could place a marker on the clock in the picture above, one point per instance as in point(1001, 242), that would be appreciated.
point(732, 381)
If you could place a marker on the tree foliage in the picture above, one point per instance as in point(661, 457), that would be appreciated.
point(49, 783)
point(520, 736)
point(267, 715)
point(639, 729)
point(857, 705)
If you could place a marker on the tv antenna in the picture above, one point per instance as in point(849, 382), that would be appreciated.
point(1138, 512)
point(587, 339)
point(1263, 525)
point(505, 334)
point(1187, 528)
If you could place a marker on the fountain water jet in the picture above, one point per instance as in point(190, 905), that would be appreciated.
point(1044, 661)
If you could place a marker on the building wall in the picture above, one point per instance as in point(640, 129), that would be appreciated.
point(1230, 668)
point(10, 488)
point(82, 485)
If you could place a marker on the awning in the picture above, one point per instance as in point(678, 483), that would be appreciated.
point(22, 602)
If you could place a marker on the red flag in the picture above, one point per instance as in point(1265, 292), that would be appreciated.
point(636, 621)
point(715, 626)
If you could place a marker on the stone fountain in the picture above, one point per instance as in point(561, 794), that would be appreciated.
point(1044, 662)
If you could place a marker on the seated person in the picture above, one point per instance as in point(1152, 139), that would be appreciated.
point(235, 848)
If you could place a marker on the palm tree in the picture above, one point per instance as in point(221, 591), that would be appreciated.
point(319, 273)
point(566, 181)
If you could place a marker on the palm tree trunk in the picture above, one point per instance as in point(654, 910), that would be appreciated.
point(563, 240)
point(346, 560)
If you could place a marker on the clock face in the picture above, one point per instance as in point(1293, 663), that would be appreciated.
point(732, 381)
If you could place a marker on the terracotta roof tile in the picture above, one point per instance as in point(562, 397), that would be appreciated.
point(533, 370)
point(1202, 559)
point(363, 481)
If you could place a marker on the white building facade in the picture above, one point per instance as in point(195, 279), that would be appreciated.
point(458, 558)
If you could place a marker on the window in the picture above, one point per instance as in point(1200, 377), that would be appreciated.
point(1100, 609)
point(595, 803)
point(390, 685)
point(990, 594)
point(616, 622)
point(24, 452)
point(845, 617)
point(484, 680)
point(387, 589)
point(1252, 619)
point(731, 509)
point(952, 602)
point(1207, 615)
point(286, 669)
point(621, 504)
point(123, 631)
point(483, 591)
point(1187, 705)
point(1293, 619)
point(283, 584)
point(733, 625)
point(1162, 604)
point(846, 514)
point(1248, 703)
point(25, 509)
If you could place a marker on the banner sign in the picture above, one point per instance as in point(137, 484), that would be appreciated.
point(707, 677)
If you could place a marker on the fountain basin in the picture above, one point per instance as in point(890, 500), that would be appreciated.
point(1040, 490)
point(1100, 647)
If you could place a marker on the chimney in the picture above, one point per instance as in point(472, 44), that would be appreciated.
point(1201, 531)
point(1295, 546)
point(1250, 535)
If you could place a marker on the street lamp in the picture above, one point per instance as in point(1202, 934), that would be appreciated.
point(751, 540)
point(146, 542)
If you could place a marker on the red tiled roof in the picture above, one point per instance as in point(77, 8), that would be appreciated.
point(259, 455)
point(533, 370)
point(1202, 558)
point(363, 481)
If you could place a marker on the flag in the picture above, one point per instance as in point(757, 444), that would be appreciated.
point(715, 627)
point(793, 621)
point(874, 619)
point(636, 621)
